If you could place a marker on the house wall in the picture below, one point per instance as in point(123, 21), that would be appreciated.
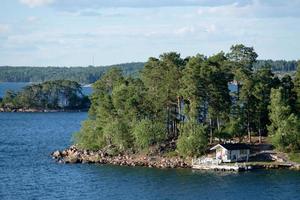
point(233, 155)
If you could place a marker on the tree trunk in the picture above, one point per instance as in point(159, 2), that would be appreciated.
point(259, 133)
point(211, 132)
point(218, 123)
point(238, 90)
point(249, 132)
point(168, 121)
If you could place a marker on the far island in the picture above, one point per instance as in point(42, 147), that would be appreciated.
point(178, 109)
point(49, 96)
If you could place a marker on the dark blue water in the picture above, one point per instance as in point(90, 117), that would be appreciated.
point(28, 172)
point(4, 86)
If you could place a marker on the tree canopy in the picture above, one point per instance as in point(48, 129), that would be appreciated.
point(187, 102)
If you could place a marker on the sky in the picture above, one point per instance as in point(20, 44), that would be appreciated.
point(105, 32)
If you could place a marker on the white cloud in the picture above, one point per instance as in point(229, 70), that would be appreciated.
point(256, 9)
point(211, 28)
point(185, 30)
point(35, 3)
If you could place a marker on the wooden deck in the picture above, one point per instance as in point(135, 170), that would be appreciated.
point(222, 167)
point(217, 166)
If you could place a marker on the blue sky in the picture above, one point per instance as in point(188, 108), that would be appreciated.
point(101, 32)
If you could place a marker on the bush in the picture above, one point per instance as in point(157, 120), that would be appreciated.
point(147, 132)
point(90, 136)
point(192, 140)
point(117, 133)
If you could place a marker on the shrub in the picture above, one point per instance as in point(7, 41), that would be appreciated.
point(147, 132)
point(90, 136)
point(192, 140)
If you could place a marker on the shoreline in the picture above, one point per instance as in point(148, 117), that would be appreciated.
point(74, 155)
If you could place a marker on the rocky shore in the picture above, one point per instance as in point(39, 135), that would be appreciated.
point(76, 155)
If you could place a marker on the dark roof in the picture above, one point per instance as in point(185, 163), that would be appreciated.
point(237, 146)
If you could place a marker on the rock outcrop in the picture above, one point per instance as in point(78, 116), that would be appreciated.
point(76, 155)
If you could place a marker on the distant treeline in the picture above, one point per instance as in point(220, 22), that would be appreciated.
point(277, 65)
point(91, 74)
point(79, 74)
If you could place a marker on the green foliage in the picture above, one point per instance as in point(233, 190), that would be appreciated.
point(147, 133)
point(297, 90)
point(175, 99)
point(295, 157)
point(234, 128)
point(90, 136)
point(277, 65)
point(83, 75)
point(60, 94)
point(117, 133)
point(285, 126)
point(192, 140)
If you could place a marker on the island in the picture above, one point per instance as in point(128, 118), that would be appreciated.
point(177, 109)
point(49, 96)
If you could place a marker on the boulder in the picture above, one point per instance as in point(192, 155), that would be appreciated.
point(56, 154)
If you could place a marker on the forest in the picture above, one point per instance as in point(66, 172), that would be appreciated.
point(87, 75)
point(50, 95)
point(83, 75)
point(186, 104)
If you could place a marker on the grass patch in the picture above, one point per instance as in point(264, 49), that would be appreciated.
point(295, 157)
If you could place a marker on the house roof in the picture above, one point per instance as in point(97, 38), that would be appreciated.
point(231, 146)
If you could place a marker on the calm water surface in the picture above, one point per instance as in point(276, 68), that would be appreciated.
point(28, 172)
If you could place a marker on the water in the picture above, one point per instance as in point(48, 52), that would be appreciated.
point(4, 86)
point(28, 172)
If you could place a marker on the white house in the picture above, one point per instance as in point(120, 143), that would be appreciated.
point(232, 152)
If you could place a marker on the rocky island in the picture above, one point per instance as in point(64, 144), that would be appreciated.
point(187, 105)
point(49, 96)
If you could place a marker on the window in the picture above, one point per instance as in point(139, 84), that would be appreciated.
point(243, 151)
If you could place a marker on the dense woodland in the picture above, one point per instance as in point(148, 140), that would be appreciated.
point(277, 65)
point(50, 95)
point(86, 75)
point(187, 102)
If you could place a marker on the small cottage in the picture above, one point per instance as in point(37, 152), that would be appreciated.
point(232, 152)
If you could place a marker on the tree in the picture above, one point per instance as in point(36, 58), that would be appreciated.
point(193, 89)
point(217, 75)
point(284, 128)
point(297, 89)
point(161, 79)
point(242, 59)
point(288, 91)
point(263, 83)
